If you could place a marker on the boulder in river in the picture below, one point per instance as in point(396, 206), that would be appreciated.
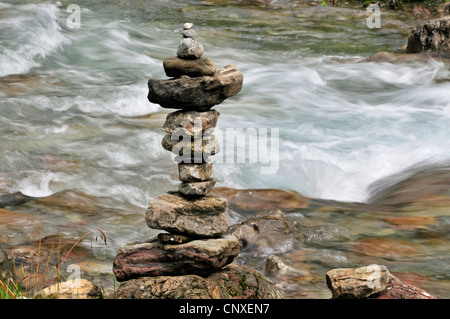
point(433, 35)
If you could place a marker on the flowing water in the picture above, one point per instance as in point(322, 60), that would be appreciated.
point(74, 117)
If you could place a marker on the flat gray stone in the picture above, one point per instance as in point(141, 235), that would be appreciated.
point(198, 93)
point(191, 216)
point(152, 258)
point(189, 33)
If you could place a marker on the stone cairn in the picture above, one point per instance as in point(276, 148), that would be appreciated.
point(195, 223)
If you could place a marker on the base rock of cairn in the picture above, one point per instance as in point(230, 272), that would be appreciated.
point(195, 242)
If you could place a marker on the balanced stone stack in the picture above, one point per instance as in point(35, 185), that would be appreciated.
point(194, 221)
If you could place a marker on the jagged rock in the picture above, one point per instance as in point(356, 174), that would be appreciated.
point(191, 123)
point(264, 224)
point(196, 188)
point(372, 282)
point(231, 282)
point(176, 67)
point(192, 149)
point(433, 35)
point(199, 93)
point(191, 216)
point(195, 172)
point(70, 290)
point(190, 49)
point(153, 258)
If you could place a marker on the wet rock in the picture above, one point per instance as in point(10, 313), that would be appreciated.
point(421, 12)
point(191, 123)
point(260, 227)
point(152, 258)
point(83, 289)
point(190, 49)
point(252, 201)
point(14, 199)
point(196, 150)
point(199, 93)
point(196, 188)
point(232, 282)
point(194, 172)
point(194, 216)
point(433, 35)
point(373, 282)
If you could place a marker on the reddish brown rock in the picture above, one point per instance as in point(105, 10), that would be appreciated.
point(152, 258)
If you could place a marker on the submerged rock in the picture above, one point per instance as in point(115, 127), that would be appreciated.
point(153, 258)
point(83, 289)
point(260, 227)
point(232, 282)
point(372, 282)
point(252, 201)
point(14, 199)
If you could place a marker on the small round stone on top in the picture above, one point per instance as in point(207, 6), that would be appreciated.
point(187, 26)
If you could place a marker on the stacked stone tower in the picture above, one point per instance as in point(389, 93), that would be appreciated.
point(194, 221)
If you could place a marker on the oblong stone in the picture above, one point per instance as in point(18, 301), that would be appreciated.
point(176, 67)
point(199, 93)
point(195, 172)
point(197, 217)
point(196, 188)
point(152, 258)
